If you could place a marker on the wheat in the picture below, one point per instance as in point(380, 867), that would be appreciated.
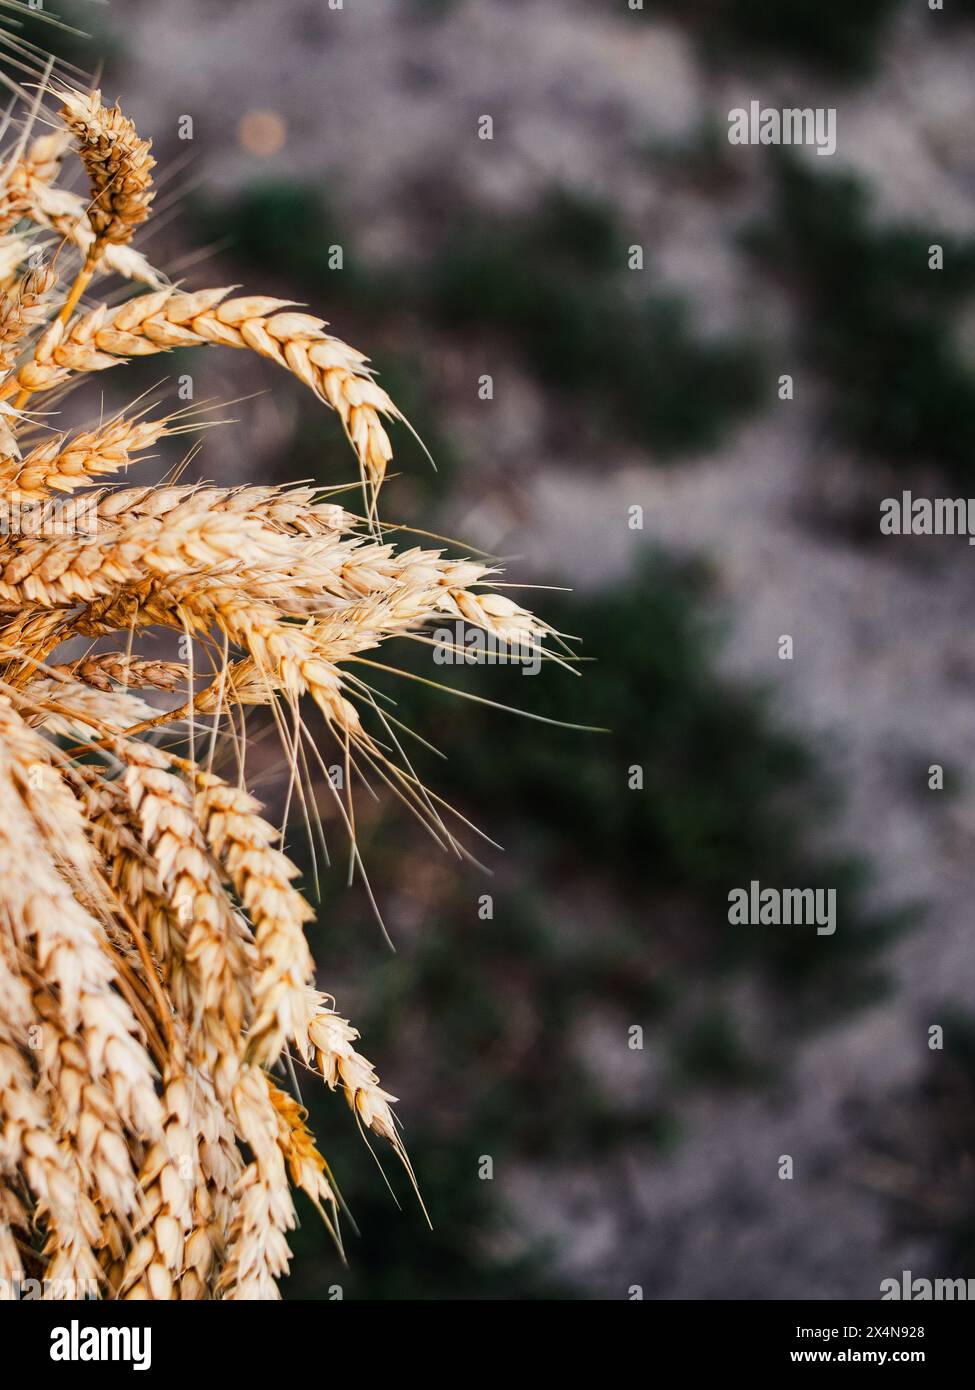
point(105, 668)
point(257, 1250)
point(218, 1170)
point(154, 967)
point(325, 1041)
point(28, 181)
point(28, 1142)
point(215, 1001)
point(89, 709)
point(118, 164)
point(29, 192)
point(261, 876)
point(166, 318)
point(63, 463)
point(23, 310)
point(305, 1164)
point(156, 1260)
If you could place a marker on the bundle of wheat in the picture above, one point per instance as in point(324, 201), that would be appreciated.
point(156, 986)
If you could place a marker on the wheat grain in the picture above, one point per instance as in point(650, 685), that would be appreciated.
point(28, 1143)
point(13, 1220)
point(89, 709)
point(29, 179)
point(105, 670)
point(219, 1168)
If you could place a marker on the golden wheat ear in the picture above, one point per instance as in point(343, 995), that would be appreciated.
point(118, 164)
point(169, 318)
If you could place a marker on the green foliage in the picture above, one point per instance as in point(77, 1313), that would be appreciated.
point(879, 325)
point(290, 227)
point(840, 37)
point(713, 1051)
point(557, 284)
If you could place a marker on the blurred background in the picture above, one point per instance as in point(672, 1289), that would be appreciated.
point(637, 449)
